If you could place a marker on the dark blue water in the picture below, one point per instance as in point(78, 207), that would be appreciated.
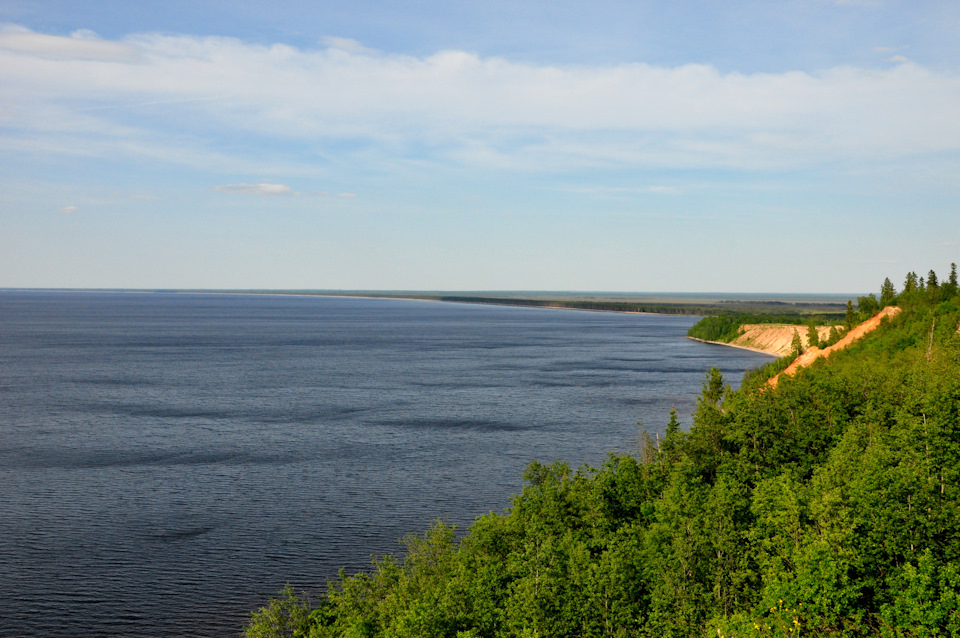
point(168, 461)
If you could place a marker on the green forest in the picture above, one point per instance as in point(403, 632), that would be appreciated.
point(827, 506)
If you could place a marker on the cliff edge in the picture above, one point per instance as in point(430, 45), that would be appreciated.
point(813, 353)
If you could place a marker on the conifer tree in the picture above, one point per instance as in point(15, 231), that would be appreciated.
point(813, 337)
point(949, 287)
point(888, 293)
point(834, 335)
point(910, 284)
point(851, 319)
point(797, 344)
point(673, 426)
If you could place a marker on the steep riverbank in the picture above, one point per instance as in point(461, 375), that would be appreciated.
point(812, 354)
point(775, 339)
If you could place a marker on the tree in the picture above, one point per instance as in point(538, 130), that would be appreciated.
point(282, 617)
point(888, 293)
point(910, 284)
point(835, 335)
point(868, 306)
point(932, 280)
point(813, 337)
point(674, 425)
point(949, 287)
point(713, 388)
point(797, 344)
point(851, 319)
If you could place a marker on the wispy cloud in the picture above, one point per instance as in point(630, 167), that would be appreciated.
point(81, 45)
point(81, 93)
point(625, 190)
point(68, 209)
point(255, 189)
point(346, 195)
point(347, 45)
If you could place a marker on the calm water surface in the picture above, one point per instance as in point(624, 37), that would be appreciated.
point(168, 461)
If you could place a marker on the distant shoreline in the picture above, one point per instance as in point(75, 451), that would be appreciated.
point(687, 304)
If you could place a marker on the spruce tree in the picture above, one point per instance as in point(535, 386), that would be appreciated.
point(834, 335)
point(949, 287)
point(797, 344)
point(910, 284)
point(888, 293)
point(813, 337)
point(674, 424)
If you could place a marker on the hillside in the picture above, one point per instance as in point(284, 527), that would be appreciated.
point(813, 353)
point(827, 505)
point(775, 339)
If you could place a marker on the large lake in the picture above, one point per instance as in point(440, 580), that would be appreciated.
point(168, 461)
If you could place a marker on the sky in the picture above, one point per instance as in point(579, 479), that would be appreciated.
point(807, 146)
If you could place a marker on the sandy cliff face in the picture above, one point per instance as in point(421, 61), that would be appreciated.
point(775, 339)
point(812, 354)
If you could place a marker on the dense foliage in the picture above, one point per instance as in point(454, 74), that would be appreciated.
point(826, 506)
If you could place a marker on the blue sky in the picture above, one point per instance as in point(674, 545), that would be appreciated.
point(808, 146)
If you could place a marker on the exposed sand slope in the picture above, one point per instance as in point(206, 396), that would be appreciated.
point(774, 338)
point(812, 354)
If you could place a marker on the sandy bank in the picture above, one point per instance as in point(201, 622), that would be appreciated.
point(812, 354)
point(734, 345)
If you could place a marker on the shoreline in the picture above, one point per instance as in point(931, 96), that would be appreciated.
point(519, 302)
point(654, 308)
point(733, 345)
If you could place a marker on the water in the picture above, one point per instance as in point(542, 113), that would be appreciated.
point(168, 461)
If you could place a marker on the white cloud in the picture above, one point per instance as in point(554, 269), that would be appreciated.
point(347, 45)
point(80, 93)
point(81, 45)
point(898, 59)
point(346, 195)
point(68, 209)
point(255, 189)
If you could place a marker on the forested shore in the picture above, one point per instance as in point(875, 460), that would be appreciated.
point(825, 506)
